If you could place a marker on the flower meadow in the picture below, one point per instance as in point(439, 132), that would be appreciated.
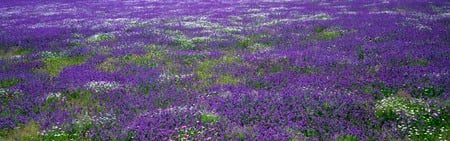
point(362, 70)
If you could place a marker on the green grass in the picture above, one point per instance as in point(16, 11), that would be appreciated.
point(326, 34)
point(227, 80)
point(9, 82)
point(54, 65)
point(209, 118)
point(6, 54)
point(347, 138)
point(305, 70)
point(25, 132)
point(101, 37)
point(185, 44)
point(109, 65)
point(420, 62)
point(206, 69)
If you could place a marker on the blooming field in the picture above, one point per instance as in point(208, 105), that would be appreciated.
point(200, 70)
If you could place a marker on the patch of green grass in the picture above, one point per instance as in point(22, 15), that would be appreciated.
point(259, 47)
point(101, 37)
point(25, 132)
point(420, 62)
point(311, 133)
point(145, 60)
point(9, 82)
point(361, 53)
point(149, 60)
point(325, 33)
point(82, 100)
point(306, 70)
point(227, 80)
point(259, 84)
point(328, 35)
point(390, 107)
point(206, 69)
point(189, 60)
point(186, 133)
point(347, 138)
point(209, 118)
point(186, 44)
point(78, 132)
point(17, 51)
point(55, 65)
point(207, 75)
point(429, 91)
point(109, 65)
point(387, 91)
point(245, 43)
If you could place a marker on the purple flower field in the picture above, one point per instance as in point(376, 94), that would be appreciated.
point(342, 70)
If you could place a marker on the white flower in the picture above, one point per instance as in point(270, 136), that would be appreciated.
point(53, 95)
point(166, 76)
point(99, 86)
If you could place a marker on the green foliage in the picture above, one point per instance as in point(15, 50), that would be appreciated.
point(209, 118)
point(257, 84)
point(227, 80)
point(420, 62)
point(387, 92)
point(26, 132)
point(146, 60)
point(259, 47)
point(186, 44)
point(205, 69)
point(327, 34)
point(208, 76)
point(54, 65)
point(393, 106)
point(101, 37)
point(186, 133)
point(110, 65)
point(429, 91)
point(9, 82)
point(414, 117)
point(311, 133)
point(361, 53)
point(82, 100)
point(347, 138)
point(245, 43)
point(150, 59)
point(190, 60)
point(16, 51)
point(78, 132)
point(306, 70)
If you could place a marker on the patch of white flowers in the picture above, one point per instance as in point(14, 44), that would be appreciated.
point(5, 92)
point(49, 54)
point(414, 117)
point(101, 86)
point(167, 77)
point(55, 131)
point(410, 107)
point(102, 118)
point(55, 95)
point(201, 23)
